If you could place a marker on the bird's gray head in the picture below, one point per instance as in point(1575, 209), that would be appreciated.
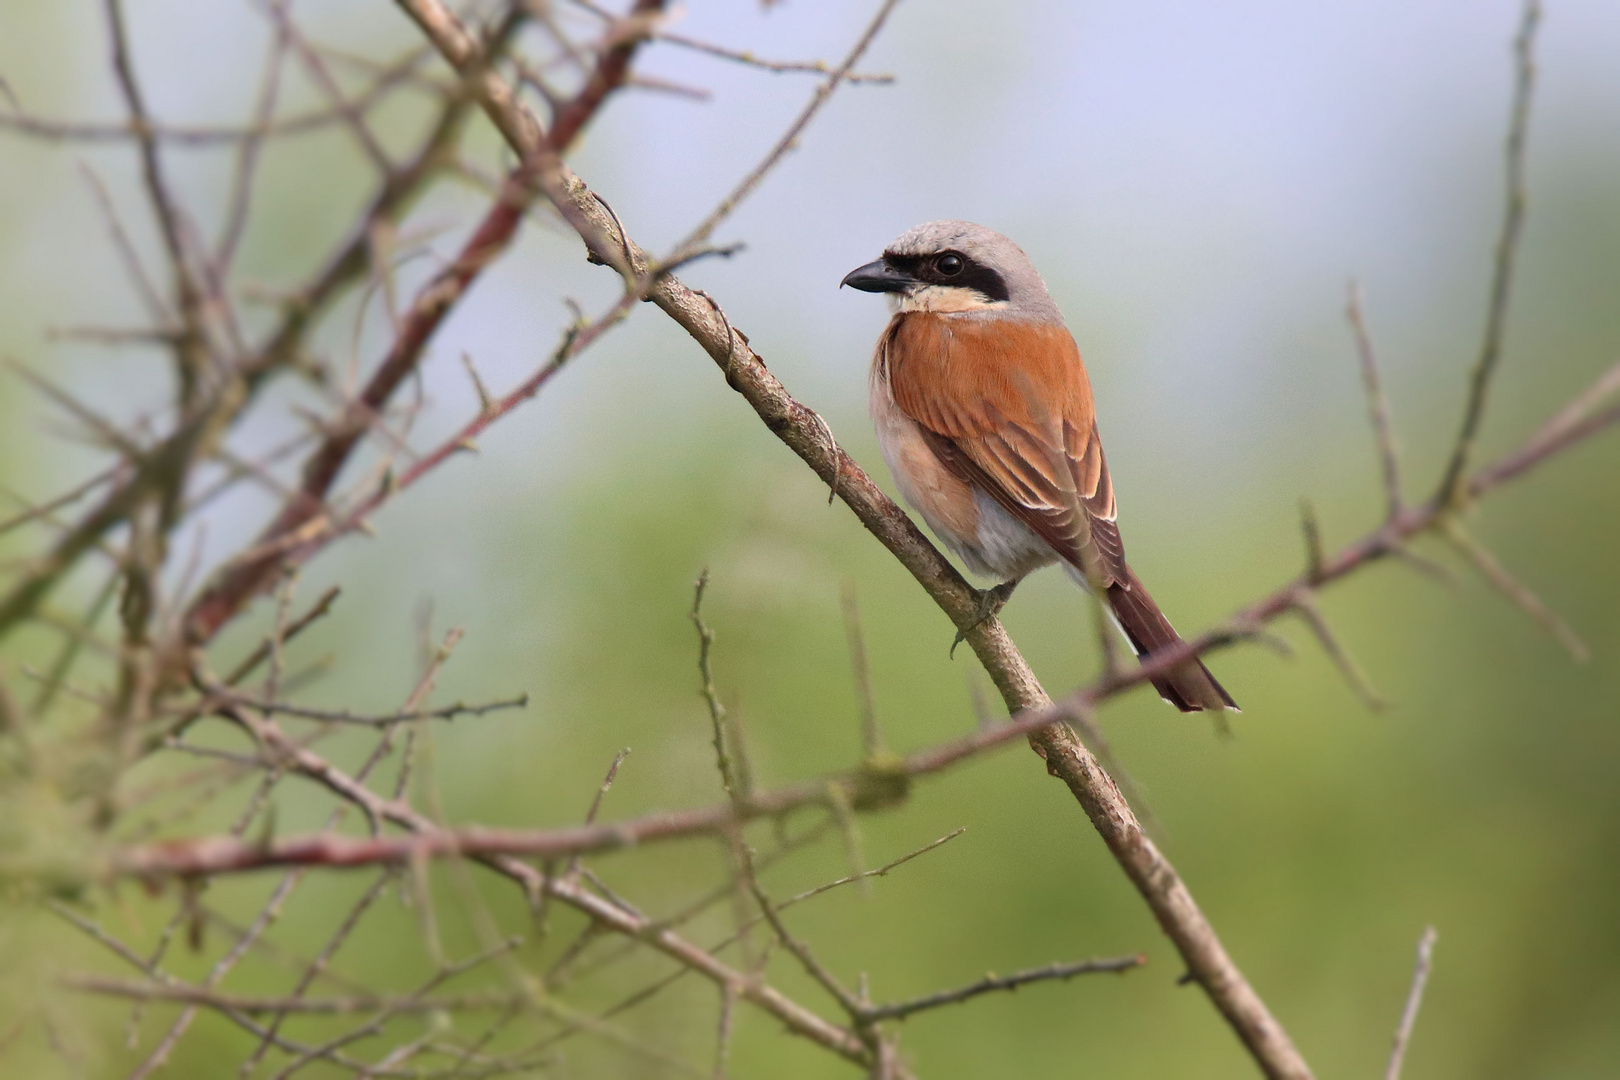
point(957, 266)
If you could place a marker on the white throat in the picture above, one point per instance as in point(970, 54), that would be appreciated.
point(942, 299)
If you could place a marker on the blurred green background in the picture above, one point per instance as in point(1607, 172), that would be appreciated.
point(1197, 185)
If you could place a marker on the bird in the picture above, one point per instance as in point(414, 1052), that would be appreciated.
point(984, 414)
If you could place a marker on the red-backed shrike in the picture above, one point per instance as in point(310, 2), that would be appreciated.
point(984, 413)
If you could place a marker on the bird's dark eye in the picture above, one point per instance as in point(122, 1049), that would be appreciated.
point(949, 264)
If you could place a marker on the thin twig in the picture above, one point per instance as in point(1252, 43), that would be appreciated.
point(1307, 607)
point(800, 950)
point(1312, 531)
point(296, 1001)
point(345, 716)
point(388, 77)
point(1521, 595)
point(881, 871)
point(700, 235)
point(1414, 1001)
point(50, 506)
point(722, 1049)
point(191, 343)
point(1452, 488)
point(1578, 409)
point(741, 56)
point(1377, 403)
point(871, 736)
point(711, 697)
point(990, 983)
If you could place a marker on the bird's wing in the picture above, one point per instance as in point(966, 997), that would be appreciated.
point(1006, 406)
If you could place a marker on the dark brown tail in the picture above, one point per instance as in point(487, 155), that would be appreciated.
point(1189, 687)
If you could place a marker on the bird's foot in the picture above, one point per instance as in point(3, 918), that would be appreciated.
point(991, 601)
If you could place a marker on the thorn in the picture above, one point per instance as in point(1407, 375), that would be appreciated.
point(871, 735)
point(486, 404)
point(1106, 643)
point(1305, 603)
point(1377, 403)
point(1521, 595)
point(1424, 565)
point(1312, 530)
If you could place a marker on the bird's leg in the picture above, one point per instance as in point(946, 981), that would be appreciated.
point(991, 601)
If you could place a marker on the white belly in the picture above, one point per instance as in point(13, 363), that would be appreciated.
point(972, 524)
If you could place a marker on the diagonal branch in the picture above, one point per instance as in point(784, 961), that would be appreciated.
point(247, 578)
point(190, 344)
point(282, 348)
point(1414, 1001)
point(1312, 614)
point(1452, 488)
point(1521, 595)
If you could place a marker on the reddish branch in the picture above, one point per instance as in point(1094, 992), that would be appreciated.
point(865, 788)
point(171, 457)
point(243, 580)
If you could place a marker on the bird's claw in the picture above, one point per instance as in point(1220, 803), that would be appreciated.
point(991, 601)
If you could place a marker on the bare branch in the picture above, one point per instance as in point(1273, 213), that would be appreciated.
point(800, 950)
point(247, 156)
point(1414, 1001)
point(1577, 411)
point(1522, 596)
point(1306, 603)
point(345, 716)
point(191, 357)
point(388, 77)
point(250, 576)
point(350, 111)
point(741, 56)
point(296, 1001)
point(1377, 403)
point(990, 983)
point(1452, 487)
point(700, 235)
point(717, 712)
point(1312, 530)
point(871, 736)
point(722, 1049)
point(67, 498)
point(151, 299)
point(881, 871)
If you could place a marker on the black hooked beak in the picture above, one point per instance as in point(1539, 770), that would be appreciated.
point(879, 277)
